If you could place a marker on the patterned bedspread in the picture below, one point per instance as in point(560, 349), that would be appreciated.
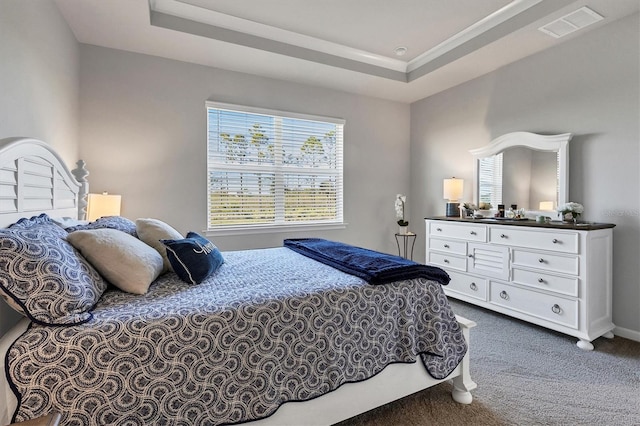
point(270, 326)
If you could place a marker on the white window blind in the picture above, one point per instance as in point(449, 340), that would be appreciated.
point(272, 168)
point(490, 178)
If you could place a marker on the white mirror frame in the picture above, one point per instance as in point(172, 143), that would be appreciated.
point(556, 143)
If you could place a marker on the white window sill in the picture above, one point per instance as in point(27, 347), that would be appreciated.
point(271, 229)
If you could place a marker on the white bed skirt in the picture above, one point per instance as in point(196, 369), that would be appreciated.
point(394, 382)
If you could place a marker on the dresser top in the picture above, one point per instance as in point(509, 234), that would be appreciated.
point(580, 226)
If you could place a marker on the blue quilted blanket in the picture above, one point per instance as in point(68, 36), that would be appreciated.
point(372, 266)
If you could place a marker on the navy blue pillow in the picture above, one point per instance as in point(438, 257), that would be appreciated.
point(193, 258)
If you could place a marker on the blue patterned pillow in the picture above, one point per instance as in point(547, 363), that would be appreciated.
point(38, 221)
point(110, 222)
point(43, 277)
point(193, 258)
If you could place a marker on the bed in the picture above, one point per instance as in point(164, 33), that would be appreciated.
point(272, 337)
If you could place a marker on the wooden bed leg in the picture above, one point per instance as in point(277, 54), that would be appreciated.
point(462, 384)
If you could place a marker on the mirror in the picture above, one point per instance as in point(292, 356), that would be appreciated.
point(523, 168)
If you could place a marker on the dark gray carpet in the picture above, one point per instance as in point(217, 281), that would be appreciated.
point(528, 375)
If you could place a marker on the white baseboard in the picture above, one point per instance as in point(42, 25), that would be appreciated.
point(627, 333)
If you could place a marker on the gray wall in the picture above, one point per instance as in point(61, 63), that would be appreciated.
point(39, 75)
point(39, 83)
point(143, 133)
point(588, 86)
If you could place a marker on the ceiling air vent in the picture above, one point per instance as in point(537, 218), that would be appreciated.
point(574, 21)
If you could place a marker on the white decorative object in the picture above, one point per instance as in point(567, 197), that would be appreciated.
point(399, 206)
point(570, 212)
point(551, 276)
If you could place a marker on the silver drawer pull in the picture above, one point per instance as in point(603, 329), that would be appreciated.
point(541, 260)
point(446, 261)
point(473, 286)
point(503, 236)
point(446, 246)
point(439, 229)
point(556, 309)
point(504, 295)
point(540, 280)
point(555, 241)
point(473, 233)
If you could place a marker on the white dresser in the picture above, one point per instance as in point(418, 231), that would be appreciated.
point(555, 275)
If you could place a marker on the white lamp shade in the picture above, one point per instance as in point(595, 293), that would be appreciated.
point(452, 189)
point(546, 205)
point(104, 204)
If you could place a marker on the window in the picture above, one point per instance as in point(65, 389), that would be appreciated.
point(270, 168)
point(490, 174)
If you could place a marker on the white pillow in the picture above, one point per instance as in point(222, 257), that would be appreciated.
point(151, 231)
point(122, 259)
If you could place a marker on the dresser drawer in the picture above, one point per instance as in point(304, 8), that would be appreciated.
point(555, 283)
point(447, 261)
point(546, 261)
point(547, 307)
point(469, 285)
point(469, 232)
point(448, 246)
point(565, 242)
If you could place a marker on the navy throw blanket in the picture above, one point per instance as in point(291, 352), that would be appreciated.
point(372, 266)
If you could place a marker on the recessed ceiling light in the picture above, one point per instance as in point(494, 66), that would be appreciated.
point(400, 51)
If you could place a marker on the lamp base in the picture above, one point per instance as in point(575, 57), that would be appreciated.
point(453, 209)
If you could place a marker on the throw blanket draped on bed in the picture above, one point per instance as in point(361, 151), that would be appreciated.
point(372, 266)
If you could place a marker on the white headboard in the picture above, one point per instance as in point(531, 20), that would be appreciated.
point(34, 180)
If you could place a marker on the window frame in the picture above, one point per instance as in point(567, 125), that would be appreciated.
point(491, 167)
point(273, 227)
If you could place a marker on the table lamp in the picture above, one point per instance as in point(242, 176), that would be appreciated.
point(452, 190)
point(546, 205)
point(105, 204)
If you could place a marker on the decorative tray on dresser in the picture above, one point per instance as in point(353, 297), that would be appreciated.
point(555, 275)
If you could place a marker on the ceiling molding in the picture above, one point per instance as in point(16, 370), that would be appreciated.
point(196, 11)
point(193, 17)
point(163, 20)
point(376, 26)
point(522, 17)
point(471, 32)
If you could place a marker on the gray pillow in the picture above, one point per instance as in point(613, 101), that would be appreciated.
point(120, 258)
point(151, 231)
